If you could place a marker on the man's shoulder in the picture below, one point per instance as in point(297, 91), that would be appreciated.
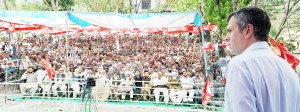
point(252, 56)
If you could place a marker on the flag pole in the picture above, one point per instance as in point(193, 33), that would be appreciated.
point(204, 52)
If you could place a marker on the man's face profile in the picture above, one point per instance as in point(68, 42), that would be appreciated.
point(235, 37)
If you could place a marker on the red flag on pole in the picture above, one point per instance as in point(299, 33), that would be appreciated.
point(50, 70)
point(206, 93)
point(284, 53)
point(208, 46)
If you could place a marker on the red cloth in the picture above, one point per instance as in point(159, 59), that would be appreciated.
point(284, 53)
point(206, 93)
point(208, 47)
point(50, 70)
point(224, 79)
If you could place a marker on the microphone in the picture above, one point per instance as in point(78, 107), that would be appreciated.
point(222, 62)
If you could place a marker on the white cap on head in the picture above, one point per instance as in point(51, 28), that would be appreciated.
point(173, 73)
point(76, 70)
point(102, 71)
point(127, 72)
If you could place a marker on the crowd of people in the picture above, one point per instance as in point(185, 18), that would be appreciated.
point(138, 67)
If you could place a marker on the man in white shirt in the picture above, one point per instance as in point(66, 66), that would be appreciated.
point(75, 80)
point(187, 87)
point(298, 70)
point(160, 85)
point(30, 77)
point(42, 77)
point(257, 79)
point(60, 81)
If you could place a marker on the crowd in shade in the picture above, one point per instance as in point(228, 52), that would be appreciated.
point(125, 67)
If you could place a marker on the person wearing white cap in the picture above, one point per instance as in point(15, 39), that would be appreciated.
point(60, 81)
point(42, 77)
point(127, 86)
point(187, 87)
point(160, 85)
point(102, 90)
point(25, 62)
point(30, 77)
point(4, 65)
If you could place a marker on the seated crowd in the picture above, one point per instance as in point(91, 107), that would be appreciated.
point(168, 68)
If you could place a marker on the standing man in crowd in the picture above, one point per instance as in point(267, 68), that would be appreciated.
point(257, 79)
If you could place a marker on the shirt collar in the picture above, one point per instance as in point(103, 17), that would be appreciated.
point(256, 46)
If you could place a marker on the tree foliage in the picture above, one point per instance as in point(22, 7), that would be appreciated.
point(188, 5)
point(106, 5)
point(288, 11)
point(59, 5)
point(34, 7)
point(217, 12)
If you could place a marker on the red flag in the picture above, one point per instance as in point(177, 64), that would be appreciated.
point(208, 46)
point(224, 44)
point(284, 53)
point(50, 70)
point(206, 93)
point(224, 79)
point(11, 28)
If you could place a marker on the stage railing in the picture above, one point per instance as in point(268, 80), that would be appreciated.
point(215, 104)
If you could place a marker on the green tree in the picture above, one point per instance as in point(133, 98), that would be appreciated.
point(105, 5)
point(5, 4)
point(34, 7)
point(59, 5)
point(273, 31)
point(288, 11)
point(187, 5)
point(170, 4)
point(217, 11)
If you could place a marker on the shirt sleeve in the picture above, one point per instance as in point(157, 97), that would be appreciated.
point(241, 94)
point(24, 76)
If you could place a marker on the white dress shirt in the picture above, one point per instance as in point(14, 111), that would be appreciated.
point(186, 82)
point(161, 81)
point(260, 81)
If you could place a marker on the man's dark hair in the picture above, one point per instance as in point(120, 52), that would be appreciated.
point(255, 16)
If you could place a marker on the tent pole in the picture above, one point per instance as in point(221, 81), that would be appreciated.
point(67, 57)
point(9, 44)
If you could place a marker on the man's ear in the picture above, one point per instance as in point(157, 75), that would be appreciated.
point(249, 30)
